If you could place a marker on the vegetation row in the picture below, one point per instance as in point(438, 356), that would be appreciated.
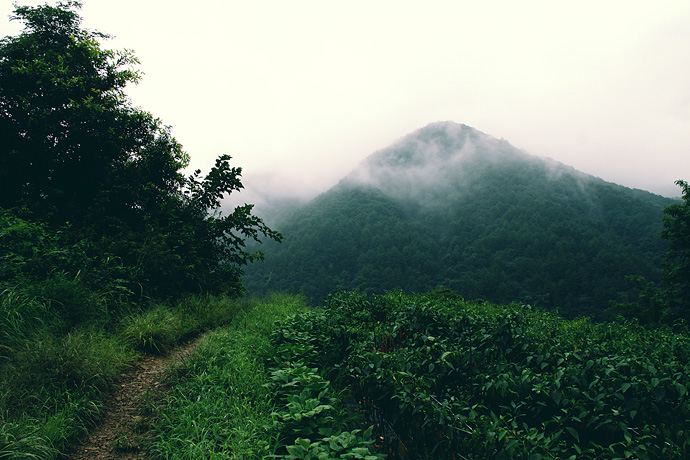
point(443, 378)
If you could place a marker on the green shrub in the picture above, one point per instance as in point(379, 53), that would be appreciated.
point(498, 381)
point(346, 445)
point(72, 301)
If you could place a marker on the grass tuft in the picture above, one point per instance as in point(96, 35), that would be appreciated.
point(20, 316)
point(154, 331)
point(18, 442)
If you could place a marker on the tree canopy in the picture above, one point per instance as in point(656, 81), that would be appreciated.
point(668, 300)
point(76, 154)
point(675, 269)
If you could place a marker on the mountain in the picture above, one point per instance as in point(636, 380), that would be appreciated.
point(449, 206)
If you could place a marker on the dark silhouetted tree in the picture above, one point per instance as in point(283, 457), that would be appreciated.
point(74, 151)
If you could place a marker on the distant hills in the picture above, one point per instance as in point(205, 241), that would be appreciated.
point(449, 206)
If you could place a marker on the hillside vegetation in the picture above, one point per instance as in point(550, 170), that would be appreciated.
point(450, 206)
point(444, 378)
point(109, 252)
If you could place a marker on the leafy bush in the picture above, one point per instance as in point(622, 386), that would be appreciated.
point(309, 408)
point(31, 253)
point(446, 377)
point(346, 445)
point(305, 401)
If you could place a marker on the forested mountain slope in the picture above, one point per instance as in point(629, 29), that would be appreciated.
point(450, 206)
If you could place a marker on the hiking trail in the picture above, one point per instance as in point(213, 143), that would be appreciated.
point(124, 428)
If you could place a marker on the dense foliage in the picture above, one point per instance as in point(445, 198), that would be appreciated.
point(666, 301)
point(447, 379)
point(103, 239)
point(79, 160)
point(239, 397)
point(676, 266)
point(501, 226)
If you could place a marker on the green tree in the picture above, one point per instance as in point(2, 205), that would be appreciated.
point(675, 269)
point(67, 127)
point(75, 151)
point(668, 301)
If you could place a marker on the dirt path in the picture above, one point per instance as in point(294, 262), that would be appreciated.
point(125, 425)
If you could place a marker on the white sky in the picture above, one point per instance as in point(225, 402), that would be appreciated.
point(302, 91)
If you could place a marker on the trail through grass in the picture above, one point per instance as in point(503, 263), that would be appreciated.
point(124, 432)
point(56, 382)
point(219, 405)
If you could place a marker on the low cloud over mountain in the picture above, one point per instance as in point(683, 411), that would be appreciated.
point(450, 206)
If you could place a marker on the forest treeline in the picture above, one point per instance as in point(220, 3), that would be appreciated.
point(504, 226)
point(94, 186)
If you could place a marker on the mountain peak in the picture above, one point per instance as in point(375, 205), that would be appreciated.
point(441, 156)
point(448, 205)
point(435, 141)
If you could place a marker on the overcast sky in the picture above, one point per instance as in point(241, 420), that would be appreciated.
point(302, 91)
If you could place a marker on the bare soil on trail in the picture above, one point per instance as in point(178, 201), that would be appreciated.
point(125, 428)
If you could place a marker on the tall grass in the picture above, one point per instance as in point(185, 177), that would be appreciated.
point(219, 406)
point(59, 357)
point(20, 441)
point(160, 327)
point(20, 315)
point(53, 385)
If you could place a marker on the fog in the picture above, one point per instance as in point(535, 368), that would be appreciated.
point(299, 93)
point(445, 158)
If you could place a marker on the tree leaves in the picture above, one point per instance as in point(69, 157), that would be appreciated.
point(76, 152)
